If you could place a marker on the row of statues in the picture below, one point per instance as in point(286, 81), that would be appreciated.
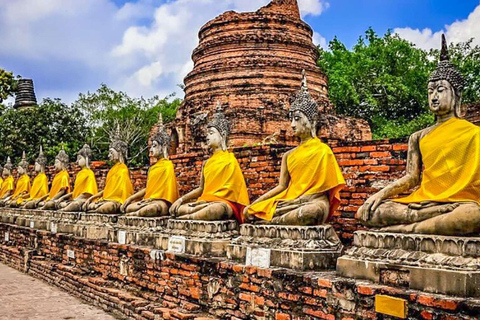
point(443, 165)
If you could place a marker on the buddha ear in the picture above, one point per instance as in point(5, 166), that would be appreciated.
point(459, 110)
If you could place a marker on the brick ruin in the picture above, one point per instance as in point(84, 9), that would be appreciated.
point(252, 63)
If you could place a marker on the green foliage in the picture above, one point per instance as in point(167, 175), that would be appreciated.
point(8, 84)
point(400, 128)
point(48, 125)
point(135, 116)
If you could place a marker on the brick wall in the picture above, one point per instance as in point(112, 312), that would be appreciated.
point(128, 282)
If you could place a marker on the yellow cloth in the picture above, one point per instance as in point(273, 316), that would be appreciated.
point(7, 185)
point(313, 169)
point(23, 185)
point(224, 181)
point(161, 182)
point(39, 187)
point(118, 186)
point(451, 159)
point(61, 180)
point(85, 183)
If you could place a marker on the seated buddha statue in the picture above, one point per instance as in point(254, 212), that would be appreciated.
point(22, 187)
point(222, 193)
point(8, 183)
point(161, 190)
point(442, 163)
point(60, 183)
point(118, 186)
point(39, 190)
point(310, 178)
point(85, 184)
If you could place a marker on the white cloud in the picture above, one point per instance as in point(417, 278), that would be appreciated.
point(458, 31)
point(319, 40)
point(143, 47)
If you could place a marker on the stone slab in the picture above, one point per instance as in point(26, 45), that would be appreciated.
point(293, 247)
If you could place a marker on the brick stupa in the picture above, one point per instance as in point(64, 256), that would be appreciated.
point(252, 63)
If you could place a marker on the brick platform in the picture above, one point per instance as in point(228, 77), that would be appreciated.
point(142, 283)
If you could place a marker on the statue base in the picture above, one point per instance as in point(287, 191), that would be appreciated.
point(205, 238)
point(53, 221)
point(139, 230)
point(293, 247)
point(95, 226)
point(437, 264)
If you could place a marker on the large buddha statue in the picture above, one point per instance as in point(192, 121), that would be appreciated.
point(8, 183)
point(39, 190)
point(118, 186)
point(446, 201)
point(22, 187)
point(310, 178)
point(60, 183)
point(222, 193)
point(85, 184)
point(161, 190)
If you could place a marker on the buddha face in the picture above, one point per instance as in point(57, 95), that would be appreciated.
point(113, 155)
point(38, 166)
point(441, 97)
point(301, 126)
point(21, 170)
point(81, 161)
point(59, 165)
point(156, 149)
point(6, 173)
point(215, 139)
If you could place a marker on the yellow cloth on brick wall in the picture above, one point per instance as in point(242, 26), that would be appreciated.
point(313, 169)
point(39, 187)
point(85, 183)
point(7, 185)
point(23, 185)
point(60, 181)
point(161, 182)
point(451, 159)
point(118, 186)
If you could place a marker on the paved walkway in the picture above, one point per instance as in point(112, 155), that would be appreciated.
point(23, 297)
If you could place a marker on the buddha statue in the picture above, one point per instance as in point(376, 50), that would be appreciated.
point(85, 184)
point(22, 187)
point(446, 201)
point(222, 193)
point(8, 183)
point(310, 178)
point(161, 190)
point(118, 186)
point(39, 190)
point(60, 183)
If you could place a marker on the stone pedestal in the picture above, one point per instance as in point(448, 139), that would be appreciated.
point(96, 226)
point(294, 247)
point(55, 221)
point(437, 264)
point(139, 231)
point(205, 238)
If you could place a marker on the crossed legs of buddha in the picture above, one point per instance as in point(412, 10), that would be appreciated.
point(104, 207)
point(206, 211)
point(460, 218)
point(148, 208)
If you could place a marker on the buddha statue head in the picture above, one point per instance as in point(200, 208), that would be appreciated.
point(22, 167)
point(304, 112)
point(41, 161)
point(84, 156)
point(160, 141)
point(61, 160)
point(118, 148)
point(218, 130)
point(445, 86)
point(7, 169)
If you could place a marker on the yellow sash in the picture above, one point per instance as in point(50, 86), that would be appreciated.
point(61, 180)
point(39, 187)
point(118, 186)
point(224, 181)
point(85, 183)
point(451, 159)
point(7, 185)
point(161, 182)
point(313, 169)
point(23, 185)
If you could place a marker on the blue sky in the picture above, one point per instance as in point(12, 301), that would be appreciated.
point(143, 47)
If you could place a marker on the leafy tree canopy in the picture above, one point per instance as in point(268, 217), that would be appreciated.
point(7, 84)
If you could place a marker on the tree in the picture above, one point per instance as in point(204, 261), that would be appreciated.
point(47, 125)
point(106, 107)
point(8, 84)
